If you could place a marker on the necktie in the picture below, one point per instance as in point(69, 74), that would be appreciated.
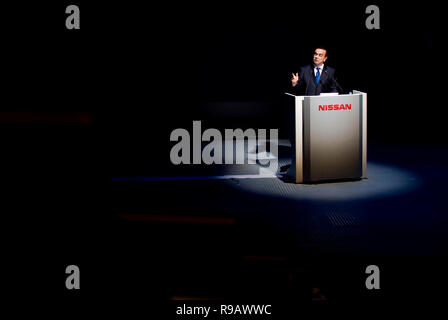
point(317, 75)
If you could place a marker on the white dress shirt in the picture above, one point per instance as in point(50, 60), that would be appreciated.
point(320, 70)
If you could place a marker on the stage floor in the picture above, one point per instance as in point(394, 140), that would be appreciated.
point(397, 210)
point(238, 234)
point(226, 228)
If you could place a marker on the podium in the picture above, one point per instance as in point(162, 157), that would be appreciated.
point(328, 137)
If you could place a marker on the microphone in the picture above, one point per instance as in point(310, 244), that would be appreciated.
point(340, 90)
point(338, 86)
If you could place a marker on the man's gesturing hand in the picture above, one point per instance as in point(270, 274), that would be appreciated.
point(294, 79)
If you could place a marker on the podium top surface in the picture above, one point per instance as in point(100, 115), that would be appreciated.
point(329, 94)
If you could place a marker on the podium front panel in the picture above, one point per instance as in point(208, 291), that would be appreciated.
point(332, 132)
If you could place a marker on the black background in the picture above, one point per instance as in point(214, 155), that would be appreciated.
point(143, 69)
point(162, 63)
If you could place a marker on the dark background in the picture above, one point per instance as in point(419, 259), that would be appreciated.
point(160, 66)
point(139, 70)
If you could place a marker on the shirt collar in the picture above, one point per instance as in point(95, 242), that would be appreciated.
point(321, 67)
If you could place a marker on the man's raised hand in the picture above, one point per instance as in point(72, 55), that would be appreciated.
point(294, 79)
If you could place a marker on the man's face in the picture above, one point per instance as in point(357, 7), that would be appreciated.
point(320, 55)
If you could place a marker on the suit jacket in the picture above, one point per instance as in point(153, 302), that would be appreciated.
point(307, 81)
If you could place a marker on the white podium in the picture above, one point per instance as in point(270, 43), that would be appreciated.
point(329, 137)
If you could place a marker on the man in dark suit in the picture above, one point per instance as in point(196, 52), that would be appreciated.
point(313, 79)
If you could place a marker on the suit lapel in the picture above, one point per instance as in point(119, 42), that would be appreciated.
point(312, 74)
point(324, 74)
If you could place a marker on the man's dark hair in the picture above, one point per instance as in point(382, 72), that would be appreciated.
point(323, 48)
